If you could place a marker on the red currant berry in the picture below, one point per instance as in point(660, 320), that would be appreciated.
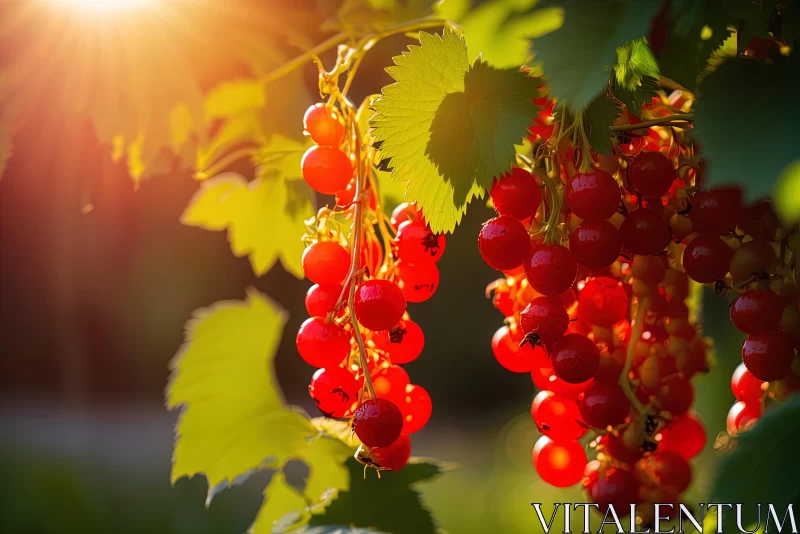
point(742, 416)
point(416, 407)
point(551, 269)
point(602, 302)
point(556, 417)
point(757, 310)
point(593, 195)
point(403, 343)
point(648, 269)
point(685, 435)
point(651, 174)
point(326, 169)
point(516, 194)
point(390, 383)
point(603, 405)
point(616, 487)
point(670, 469)
point(559, 463)
point(323, 125)
point(510, 355)
point(768, 355)
point(407, 211)
point(322, 299)
point(645, 232)
point(334, 390)
point(546, 317)
point(504, 243)
point(395, 456)
point(575, 359)
point(707, 258)
point(595, 244)
point(675, 395)
point(377, 422)
point(419, 281)
point(322, 344)
point(416, 243)
point(379, 304)
point(752, 258)
point(326, 262)
point(717, 211)
point(616, 448)
point(745, 386)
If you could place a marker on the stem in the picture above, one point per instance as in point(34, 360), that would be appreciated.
point(555, 207)
point(682, 117)
point(222, 163)
point(669, 83)
point(636, 334)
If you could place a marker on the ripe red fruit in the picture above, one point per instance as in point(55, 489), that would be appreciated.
point(648, 269)
point(403, 343)
point(556, 416)
point(324, 125)
point(768, 355)
point(644, 231)
point(516, 194)
point(742, 416)
point(544, 377)
point(551, 269)
point(377, 422)
point(685, 435)
point(651, 174)
point(595, 244)
point(407, 211)
point(322, 344)
point(615, 487)
point(603, 404)
point(510, 355)
point(670, 469)
point(575, 358)
point(716, 211)
point(334, 390)
point(326, 262)
point(546, 317)
point(752, 258)
point(675, 395)
point(326, 169)
point(390, 383)
point(321, 299)
point(504, 243)
point(707, 258)
point(416, 406)
point(395, 456)
point(379, 304)
point(593, 195)
point(756, 311)
point(745, 386)
point(616, 448)
point(419, 281)
point(559, 463)
point(416, 243)
point(602, 302)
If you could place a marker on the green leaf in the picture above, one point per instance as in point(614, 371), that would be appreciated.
point(375, 15)
point(579, 55)
point(787, 193)
point(387, 504)
point(745, 123)
point(449, 129)
point(764, 466)
point(233, 98)
point(598, 117)
point(635, 98)
point(264, 217)
point(635, 60)
point(233, 418)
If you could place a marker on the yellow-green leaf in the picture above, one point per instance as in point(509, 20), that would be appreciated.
point(279, 500)
point(787, 192)
point(235, 98)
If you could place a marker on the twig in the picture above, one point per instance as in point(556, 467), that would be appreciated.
point(636, 334)
point(682, 117)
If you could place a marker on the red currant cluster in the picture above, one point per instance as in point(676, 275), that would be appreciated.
point(359, 331)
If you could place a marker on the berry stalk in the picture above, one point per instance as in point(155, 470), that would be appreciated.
point(636, 334)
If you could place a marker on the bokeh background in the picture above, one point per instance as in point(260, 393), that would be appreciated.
point(96, 282)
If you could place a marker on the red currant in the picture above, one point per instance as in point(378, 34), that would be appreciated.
point(551, 269)
point(416, 243)
point(752, 258)
point(395, 456)
point(670, 469)
point(416, 407)
point(559, 463)
point(419, 281)
point(546, 317)
point(603, 404)
point(651, 174)
point(717, 211)
point(768, 355)
point(745, 386)
point(407, 211)
point(707, 258)
point(379, 304)
point(575, 359)
point(510, 355)
point(615, 487)
point(757, 310)
point(742, 416)
point(602, 302)
point(390, 383)
point(684, 435)
point(616, 448)
point(334, 390)
point(504, 243)
point(645, 232)
point(326, 262)
point(593, 195)
point(403, 343)
point(516, 194)
point(675, 395)
point(648, 269)
point(595, 244)
point(556, 417)
point(324, 125)
point(322, 344)
point(322, 299)
point(377, 422)
point(326, 169)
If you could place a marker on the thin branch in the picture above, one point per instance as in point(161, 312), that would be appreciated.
point(680, 117)
point(636, 335)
